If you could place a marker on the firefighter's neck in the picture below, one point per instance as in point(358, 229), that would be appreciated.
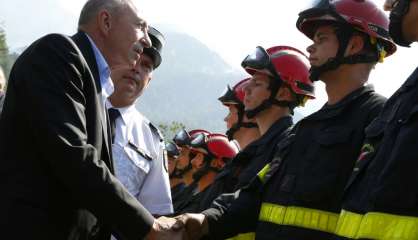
point(245, 136)
point(265, 119)
point(175, 181)
point(206, 180)
point(344, 80)
point(188, 177)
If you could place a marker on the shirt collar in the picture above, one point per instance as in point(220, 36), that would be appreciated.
point(125, 112)
point(104, 70)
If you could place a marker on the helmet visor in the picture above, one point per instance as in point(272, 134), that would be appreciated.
point(228, 96)
point(172, 150)
point(260, 60)
point(182, 138)
point(321, 10)
point(199, 143)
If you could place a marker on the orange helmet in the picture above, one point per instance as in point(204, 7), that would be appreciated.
point(283, 64)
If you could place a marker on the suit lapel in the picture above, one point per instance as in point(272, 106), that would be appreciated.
point(85, 47)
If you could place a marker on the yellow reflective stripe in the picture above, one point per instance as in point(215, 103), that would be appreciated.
point(243, 236)
point(348, 224)
point(298, 216)
point(375, 225)
point(262, 173)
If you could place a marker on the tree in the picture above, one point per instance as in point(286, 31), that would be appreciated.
point(169, 130)
point(4, 52)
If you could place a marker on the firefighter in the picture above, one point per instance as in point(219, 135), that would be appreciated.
point(211, 152)
point(177, 184)
point(299, 194)
point(381, 197)
point(240, 128)
point(183, 167)
point(270, 102)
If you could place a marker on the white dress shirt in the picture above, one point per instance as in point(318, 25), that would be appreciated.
point(104, 73)
point(140, 162)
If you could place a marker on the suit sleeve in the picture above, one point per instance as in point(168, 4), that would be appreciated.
point(57, 92)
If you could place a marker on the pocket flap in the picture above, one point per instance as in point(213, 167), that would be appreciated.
point(137, 159)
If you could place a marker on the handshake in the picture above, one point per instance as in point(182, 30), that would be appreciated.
point(187, 226)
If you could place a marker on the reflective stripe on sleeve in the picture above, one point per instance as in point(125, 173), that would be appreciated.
point(375, 225)
point(299, 217)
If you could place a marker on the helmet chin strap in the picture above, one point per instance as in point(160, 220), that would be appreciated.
point(270, 102)
point(395, 24)
point(236, 126)
point(205, 169)
point(179, 173)
point(344, 33)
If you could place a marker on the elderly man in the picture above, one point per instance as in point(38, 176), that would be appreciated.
point(56, 165)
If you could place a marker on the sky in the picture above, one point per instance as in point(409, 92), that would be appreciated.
point(232, 28)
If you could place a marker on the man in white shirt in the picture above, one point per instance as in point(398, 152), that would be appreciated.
point(137, 146)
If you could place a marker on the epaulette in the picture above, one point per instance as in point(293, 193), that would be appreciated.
point(155, 130)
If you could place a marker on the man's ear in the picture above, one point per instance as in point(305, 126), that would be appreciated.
point(355, 45)
point(104, 20)
point(217, 163)
point(284, 93)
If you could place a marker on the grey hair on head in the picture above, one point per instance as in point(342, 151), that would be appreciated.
point(92, 7)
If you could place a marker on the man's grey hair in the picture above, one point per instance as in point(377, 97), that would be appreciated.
point(92, 7)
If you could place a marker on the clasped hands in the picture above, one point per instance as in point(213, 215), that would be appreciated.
point(187, 226)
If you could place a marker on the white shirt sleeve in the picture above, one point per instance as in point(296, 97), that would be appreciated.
point(155, 193)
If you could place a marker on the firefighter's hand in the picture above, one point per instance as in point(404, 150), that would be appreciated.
point(162, 229)
point(196, 225)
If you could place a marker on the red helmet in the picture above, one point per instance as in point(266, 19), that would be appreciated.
point(285, 65)
point(214, 144)
point(234, 95)
point(363, 15)
point(288, 63)
point(194, 132)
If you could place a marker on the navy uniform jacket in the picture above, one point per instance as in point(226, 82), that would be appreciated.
point(316, 162)
point(248, 162)
point(385, 179)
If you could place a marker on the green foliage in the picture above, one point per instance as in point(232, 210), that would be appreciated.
point(6, 58)
point(169, 130)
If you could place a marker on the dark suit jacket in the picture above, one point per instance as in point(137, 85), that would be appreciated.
point(55, 164)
